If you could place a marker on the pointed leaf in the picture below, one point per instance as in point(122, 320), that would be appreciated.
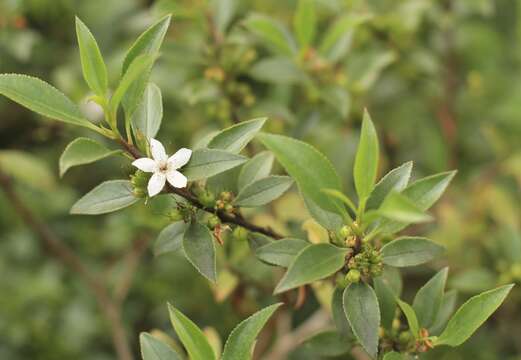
point(93, 66)
point(314, 262)
point(305, 22)
point(339, 315)
point(199, 248)
point(338, 35)
point(146, 120)
point(240, 342)
point(366, 160)
point(208, 162)
point(471, 315)
point(191, 336)
point(224, 11)
point(427, 301)
point(263, 191)
point(273, 34)
point(398, 207)
point(363, 313)
point(170, 239)
point(154, 349)
point(107, 197)
point(281, 252)
point(410, 315)
point(410, 251)
point(425, 192)
point(448, 305)
point(83, 151)
point(236, 137)
point(395, 180)
point(42, 98)
point(311, 170)
point(256, 168)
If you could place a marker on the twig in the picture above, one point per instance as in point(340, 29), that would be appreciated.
point(67, 257)
point(225, 217)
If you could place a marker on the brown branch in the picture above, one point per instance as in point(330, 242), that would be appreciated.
point(67, 257)
point(225, 217)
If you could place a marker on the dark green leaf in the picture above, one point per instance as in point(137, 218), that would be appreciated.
point(339, 315)
point(199, 248)
point(281, 252)
point(170, 239)
point(427, 301)
point(327, 343)
point(313, 263)
point(363, 313)
point(205, 163)
point(236, 137)
point(240, 342)
point(106, 197)
point(263, 191)
point(410, 251)
point(410, 315)
point(448, 305)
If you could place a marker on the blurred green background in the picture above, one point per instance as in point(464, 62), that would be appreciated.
point(442, 80)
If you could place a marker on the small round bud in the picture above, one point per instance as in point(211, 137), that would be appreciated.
point(353, 276)
point(404, 337)
point(206, 198)
point(240, 233)
point(341, 281)
point(226, 196)
point(351, 241)
point(228, 208)
point(213, 221)
point(345, 231)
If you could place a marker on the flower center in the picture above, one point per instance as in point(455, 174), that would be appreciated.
point(163, 166)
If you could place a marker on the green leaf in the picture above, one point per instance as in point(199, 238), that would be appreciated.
point(255, 169)
point(224, 10)
point(42, 98)
point(339, 315)
point(327, 219)
point(410, 315)
point(256, 240)
point(410, 251)
point(83, 151)
point(199, 248)
point(141, 65)
point(148, 42)
point(240, 342)
point(27, 169)
point(338, 98)
point(395, 180)
point(386, 300)
point(326, 343)
point(170, 239)
point(393, 355)
point(154, 349)
point(337, 37)
point(92, 64)
point(471, 315)
point(281, 252)
point(277, 70)
point(366, 160)
point(448, 305)
point(208, 162)
point(363, 313)
point(236, 137)
point(427, 301)
point(263, 191)
point(107, 197)
point(313, 263)
point(305, 22)
point(146, 120)
point(191, 336)
point(398, 207)
point(273, 34)
point(311, 170)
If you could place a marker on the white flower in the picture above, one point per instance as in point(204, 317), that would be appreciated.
point(163, 167)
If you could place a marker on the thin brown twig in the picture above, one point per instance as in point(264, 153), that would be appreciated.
point(110, 310)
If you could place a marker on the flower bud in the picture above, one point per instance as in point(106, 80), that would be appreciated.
point(353, 276)
point(213, 221)
point(345, 231)
point(240, 233)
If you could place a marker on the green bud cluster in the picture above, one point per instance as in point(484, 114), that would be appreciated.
point(139, 181)
point(240, 233)
point(368, 262)
point(224, 202)
point(213, 221)
point(205, 197)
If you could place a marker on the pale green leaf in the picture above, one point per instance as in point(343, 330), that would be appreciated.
point(263, 191)
point(313, 263)
point(398, 207)
point(107, 197)
point(93, 66)
point(255, 169)
point(273, 34)
point(281, 252)
point(395, 180)
point(83, 151)
point(241, 340)
point(337, 36)
point(366, 160)
point(170, 239)
point(277, 70)
point(363, 313)
point(236, 137)
point(393, 355)
point(154, 349)
point(42, 98)
point(471, 315)
point(410, 315)
point(191, 336)
point(205, 163)
point(146, 120)
point(448, 305)
point(427, 301)
point(199, 248)
point(305, 22)
point(410, 251)
point(224, 10)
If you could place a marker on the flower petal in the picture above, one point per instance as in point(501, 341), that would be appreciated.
point(180, 158)
point(156, 184)
point(176, 179)
point(145, 164)
point(157, 150)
